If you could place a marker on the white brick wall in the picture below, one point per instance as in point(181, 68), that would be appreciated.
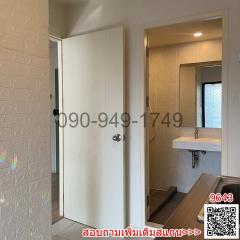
point(25, 191)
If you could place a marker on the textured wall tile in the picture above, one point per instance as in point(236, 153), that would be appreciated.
point(4, 65)
point(5, 107)
point(5, 133)
point(5, 93)
point(20, 94)
point(5, 80)
point(5, 53)
point(11, 41)
point(6, 120)
point(25, 188)
point(7, 181)
point(6, 164)
point(21, 107)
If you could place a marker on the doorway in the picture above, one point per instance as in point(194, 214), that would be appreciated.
point(56, 133)
point(89, 84)
point(181, 60)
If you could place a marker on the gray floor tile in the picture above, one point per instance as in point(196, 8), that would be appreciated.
point(56, 237)
point(61, 225)
point(74, 232)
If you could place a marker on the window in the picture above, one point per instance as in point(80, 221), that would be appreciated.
point(212, 104)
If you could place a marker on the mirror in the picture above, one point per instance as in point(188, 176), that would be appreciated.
point(200, 94)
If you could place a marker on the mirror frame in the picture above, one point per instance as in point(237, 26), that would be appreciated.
point(197, 65)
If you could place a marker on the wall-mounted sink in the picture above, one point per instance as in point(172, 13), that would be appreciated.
point(200, 144)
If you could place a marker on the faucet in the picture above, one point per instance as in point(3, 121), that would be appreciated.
point(196, 132)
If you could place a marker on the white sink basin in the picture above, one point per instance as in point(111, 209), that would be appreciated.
point(202, 144)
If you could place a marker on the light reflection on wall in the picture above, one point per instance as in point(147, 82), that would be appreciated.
point(14, 163)
point(3, 158)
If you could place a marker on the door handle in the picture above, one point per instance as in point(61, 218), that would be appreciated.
point(55, 112)
point(56, 115)
point(117, 137)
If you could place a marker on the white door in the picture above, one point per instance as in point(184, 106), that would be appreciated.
point(93, 91)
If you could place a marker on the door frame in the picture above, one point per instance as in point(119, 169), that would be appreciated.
point(224, 15)
point(61, 130)
point(64, 44)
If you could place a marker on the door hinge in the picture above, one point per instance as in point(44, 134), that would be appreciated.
point(147, 101)
point(148, 200)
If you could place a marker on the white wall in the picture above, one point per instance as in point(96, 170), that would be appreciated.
point(25, 192)
point(168, 166)
point(134, 15)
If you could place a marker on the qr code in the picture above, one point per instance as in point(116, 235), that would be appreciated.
point(221, 221)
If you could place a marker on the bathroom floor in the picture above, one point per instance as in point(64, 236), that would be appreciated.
point(163, 203)
point(55, 197)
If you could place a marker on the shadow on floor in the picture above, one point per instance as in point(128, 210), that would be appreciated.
point(163, 204)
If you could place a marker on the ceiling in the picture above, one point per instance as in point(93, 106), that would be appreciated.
point(183, 33)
